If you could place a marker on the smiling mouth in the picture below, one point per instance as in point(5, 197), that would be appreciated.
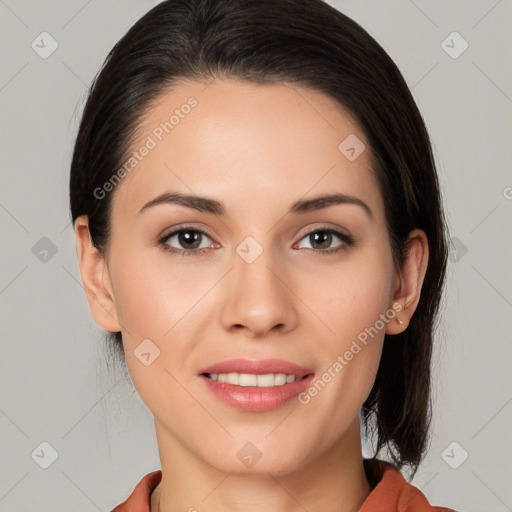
point(255, 380)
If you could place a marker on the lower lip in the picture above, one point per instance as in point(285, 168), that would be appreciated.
point(256, 399)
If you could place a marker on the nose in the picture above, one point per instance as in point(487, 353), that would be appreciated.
point(258, 297)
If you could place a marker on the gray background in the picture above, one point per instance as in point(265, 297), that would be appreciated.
point(55, 384)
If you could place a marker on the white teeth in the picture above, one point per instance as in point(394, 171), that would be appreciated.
point(232, 378)
point(266, 381)
point(250, 379)
point(280, 379)
point(247, 379)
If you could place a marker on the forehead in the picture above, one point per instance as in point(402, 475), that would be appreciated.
point(247, 145)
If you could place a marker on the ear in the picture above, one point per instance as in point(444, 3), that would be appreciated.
point(95, 278)
point(410, 281)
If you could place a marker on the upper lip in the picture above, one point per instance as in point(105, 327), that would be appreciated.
point(260, 367)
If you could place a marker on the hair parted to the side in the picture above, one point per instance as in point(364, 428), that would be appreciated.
point(310, 44)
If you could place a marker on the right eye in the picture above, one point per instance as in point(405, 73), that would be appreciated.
point(188, 238)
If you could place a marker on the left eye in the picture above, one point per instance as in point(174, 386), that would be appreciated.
point(324, 237)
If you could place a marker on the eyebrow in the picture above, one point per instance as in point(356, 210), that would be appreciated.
point(204, 204)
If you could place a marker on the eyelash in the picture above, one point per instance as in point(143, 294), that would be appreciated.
point(348, 241)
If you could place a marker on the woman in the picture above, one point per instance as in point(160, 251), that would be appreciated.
point(275, 145)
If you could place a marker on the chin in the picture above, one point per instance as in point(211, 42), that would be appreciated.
point(258, 459)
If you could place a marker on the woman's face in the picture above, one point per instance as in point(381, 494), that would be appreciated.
point(255, 282)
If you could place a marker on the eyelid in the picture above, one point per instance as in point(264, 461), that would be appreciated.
point(326, 226)
point(182, 227)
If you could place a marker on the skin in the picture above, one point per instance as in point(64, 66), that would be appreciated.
point(257, 149)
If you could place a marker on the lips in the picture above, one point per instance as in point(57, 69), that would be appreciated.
point(256, 367)
point(233, 383)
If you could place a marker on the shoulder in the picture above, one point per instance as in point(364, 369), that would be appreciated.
point(391, 490)
point(140, 499)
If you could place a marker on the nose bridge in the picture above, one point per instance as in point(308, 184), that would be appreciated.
point(258, 299)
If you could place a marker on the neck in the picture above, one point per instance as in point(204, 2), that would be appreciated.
point(335, 481)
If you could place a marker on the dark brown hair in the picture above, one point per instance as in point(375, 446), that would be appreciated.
point(311, 44)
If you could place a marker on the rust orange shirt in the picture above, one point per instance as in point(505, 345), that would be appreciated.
point(391, 492)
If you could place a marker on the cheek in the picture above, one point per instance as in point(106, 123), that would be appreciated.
point(353, 352)
point(159, 301)
point(152, 303)
point(354, 310)
point(353, 297)
point(153, 295)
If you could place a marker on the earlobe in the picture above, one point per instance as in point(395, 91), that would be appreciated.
point(411, 278)
point(95, 278)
